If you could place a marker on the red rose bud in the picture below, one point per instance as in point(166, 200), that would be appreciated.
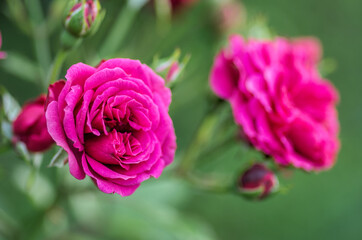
point(258, 182)
point(30, 126)
point(83, 17)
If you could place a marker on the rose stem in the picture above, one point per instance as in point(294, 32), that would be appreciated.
point(120, 27)
point(201, 136)
point(40, 37)
point(57, 66)
point(209, 183)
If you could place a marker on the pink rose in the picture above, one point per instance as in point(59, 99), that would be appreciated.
point(113, 122)
point(30, 126)
point(2, 54)
point(284, 107)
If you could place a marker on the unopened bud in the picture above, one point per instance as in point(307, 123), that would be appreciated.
point(258, 182)
point(173, 72)
point(30, 126)
point(83, 17)
point(171, 68)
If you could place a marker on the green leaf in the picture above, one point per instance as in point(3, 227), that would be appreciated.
point(6, 130)
point(10, 105)
point(124, 217)
point(163, 12)
point(34, 184)
point(137, 4)
point(23, 152)
point(327, 66)
point(20, 66)
point(258, 28)
point(59, 159)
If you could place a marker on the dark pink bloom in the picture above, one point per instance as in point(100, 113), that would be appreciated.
point(113, 121)
point(284, 107)
point(258, 182)
point(2, 54)
point(30, 126)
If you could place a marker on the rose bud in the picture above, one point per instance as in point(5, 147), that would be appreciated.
point(2, 54)
point(83, 17)
point(171, 68)
point(30, 126)
point(173, 72)
point(258, 182)
point(113, 122)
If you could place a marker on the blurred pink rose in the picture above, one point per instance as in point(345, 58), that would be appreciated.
point(30, 126)
point(2, 54)
point(278, 98)
point(113, 121)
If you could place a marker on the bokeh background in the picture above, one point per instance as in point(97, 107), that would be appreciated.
point(327, 205)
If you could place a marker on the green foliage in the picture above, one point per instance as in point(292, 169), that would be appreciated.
point(59, 159)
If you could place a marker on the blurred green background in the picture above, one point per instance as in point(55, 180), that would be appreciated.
point(327, 205)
